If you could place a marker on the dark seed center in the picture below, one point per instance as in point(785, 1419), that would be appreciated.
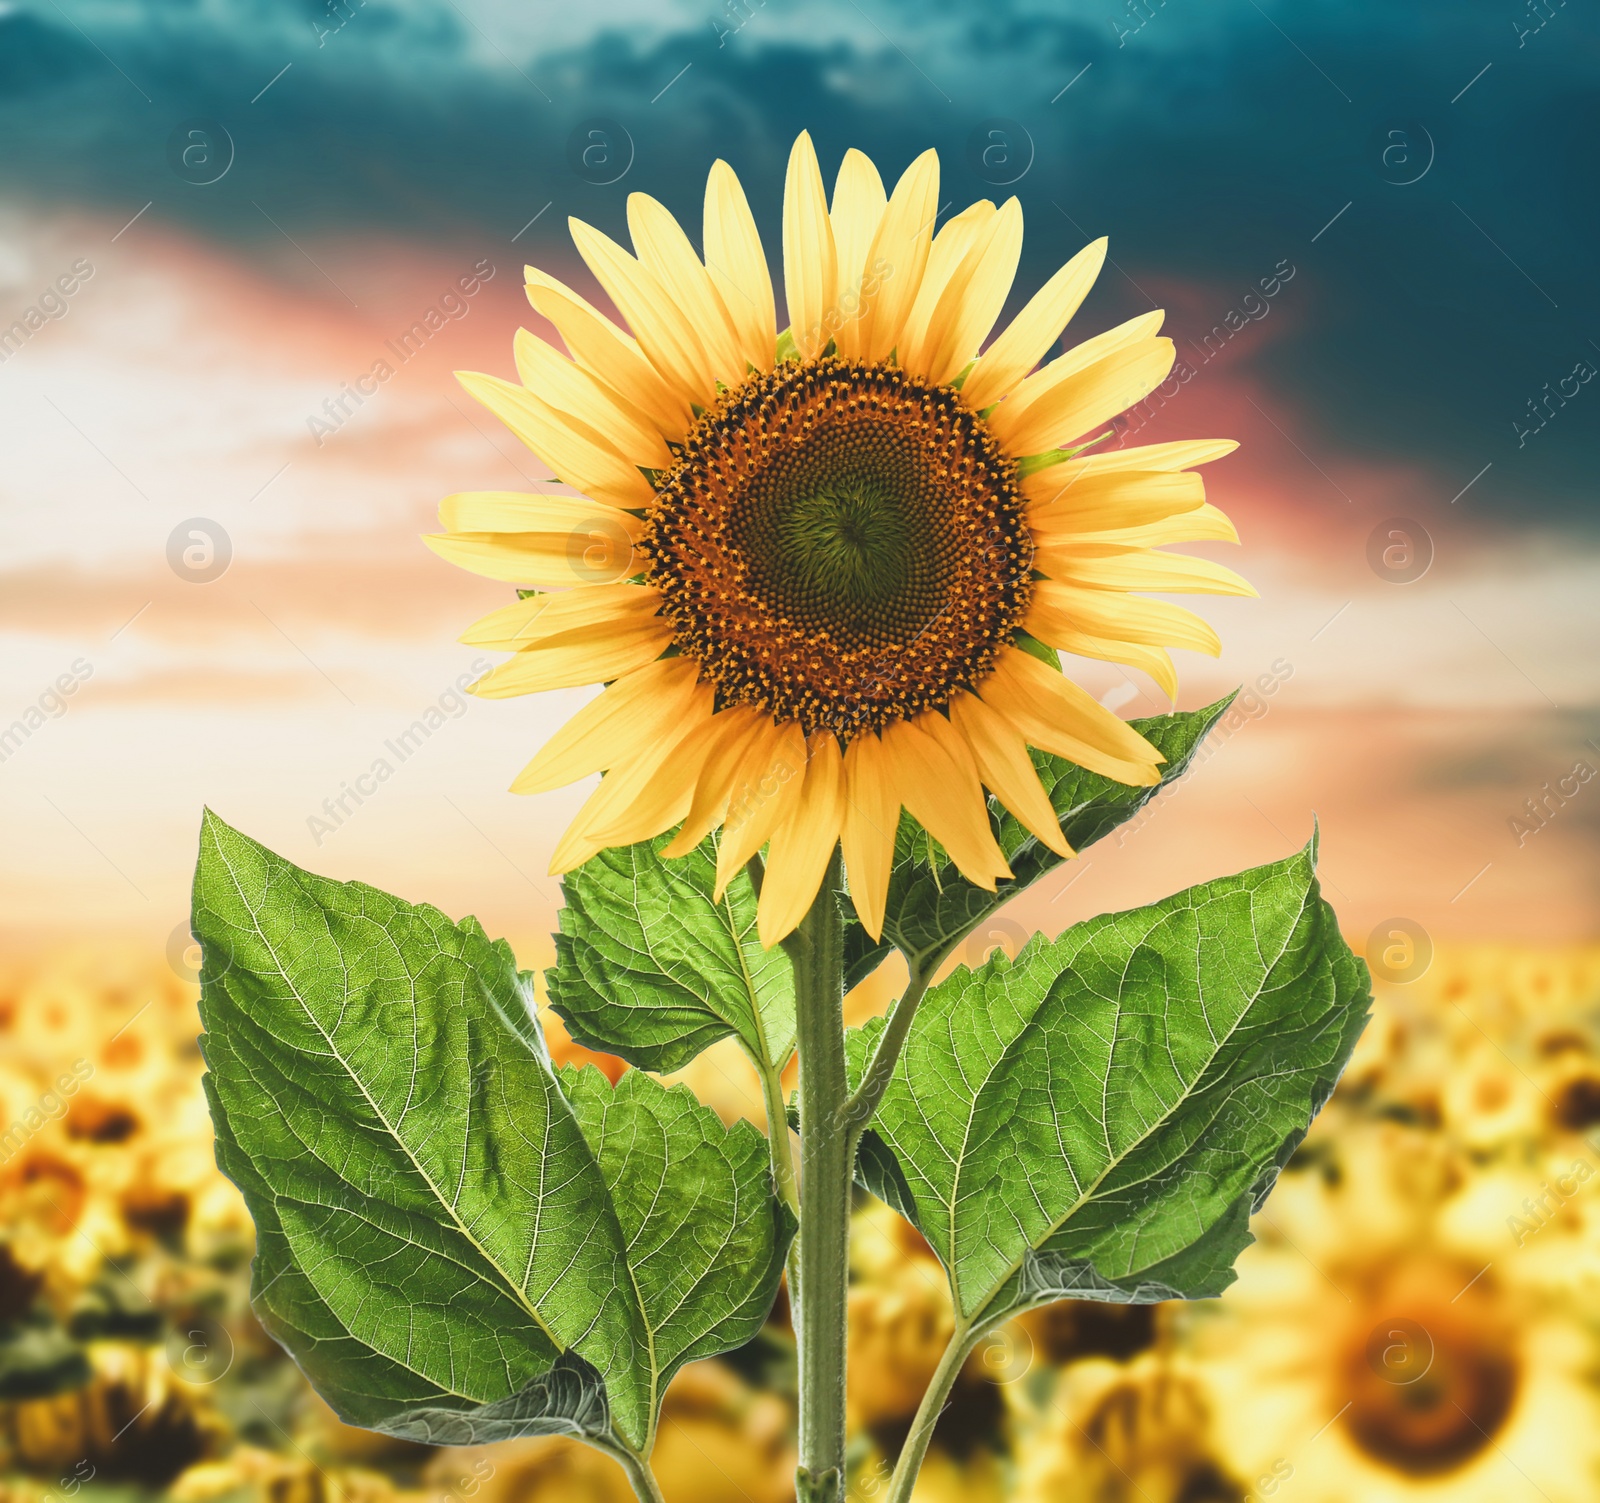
point(841, 545)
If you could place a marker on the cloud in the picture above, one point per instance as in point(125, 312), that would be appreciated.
point(1210, 142)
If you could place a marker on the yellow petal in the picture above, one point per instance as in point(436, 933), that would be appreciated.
point(531, 511)
point(738, 266)
point(801, 847)
point(603, 350)
point(1005, 768)
point(1205, 524)
point(810, 260)
point(634, 802)
point(858, 205)
point(980, 288)
point(663, 330)
point(1182, 454)
point(937, 300)
point(944, 796)
point(898, 256)
point(1127, 618)
point(664, 250)
point(871, 817)
point(1029, 336)
point(662, 799)
point(972, 281)
point(1045, 385)
point(578, 455)
point(596, 548)
point(529, 623)
point(1104, 567)
point(1058, 716)
point(565, 385)
point(1090, 396)
point(1082, 355)
point(616, 726)
point(719, 758)
point(589, 655)
point(1049, 627)
point(765, 788)
point(1130, 498)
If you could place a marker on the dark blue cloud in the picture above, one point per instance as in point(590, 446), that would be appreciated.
point(1210, 141)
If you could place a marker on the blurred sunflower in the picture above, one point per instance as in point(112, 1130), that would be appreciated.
point(849, 553)
point(1123, 1433)
point(1413, 1321)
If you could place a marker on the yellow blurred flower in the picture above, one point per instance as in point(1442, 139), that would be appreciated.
point(1419, 1321)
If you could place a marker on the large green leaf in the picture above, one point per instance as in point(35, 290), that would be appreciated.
point(650, 967)
point(705, 1236)
point(446, 1247)
point(1098, 1117)
point(932, 906)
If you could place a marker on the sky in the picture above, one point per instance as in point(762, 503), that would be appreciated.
point(250, 202)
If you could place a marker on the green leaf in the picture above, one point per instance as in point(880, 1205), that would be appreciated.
point(1097, 1118)
point(651, 968)
point(931, 906)
point(706, 1237)
point(440, 1245)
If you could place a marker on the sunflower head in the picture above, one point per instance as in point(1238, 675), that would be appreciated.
point(841, 545)
point(821, 573)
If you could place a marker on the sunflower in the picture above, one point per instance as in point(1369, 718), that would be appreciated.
point(1392, 1337)
point(824, 575)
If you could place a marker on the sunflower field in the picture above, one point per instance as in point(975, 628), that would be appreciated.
point(1419, 1316)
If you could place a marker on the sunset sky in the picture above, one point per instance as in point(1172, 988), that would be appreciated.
point(381, 154)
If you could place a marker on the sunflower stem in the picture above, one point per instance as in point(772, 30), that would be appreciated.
point(859, 1108)
point(825, 1195)
point(640, 1478)
point(784, 1179)
point(932, 1406)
